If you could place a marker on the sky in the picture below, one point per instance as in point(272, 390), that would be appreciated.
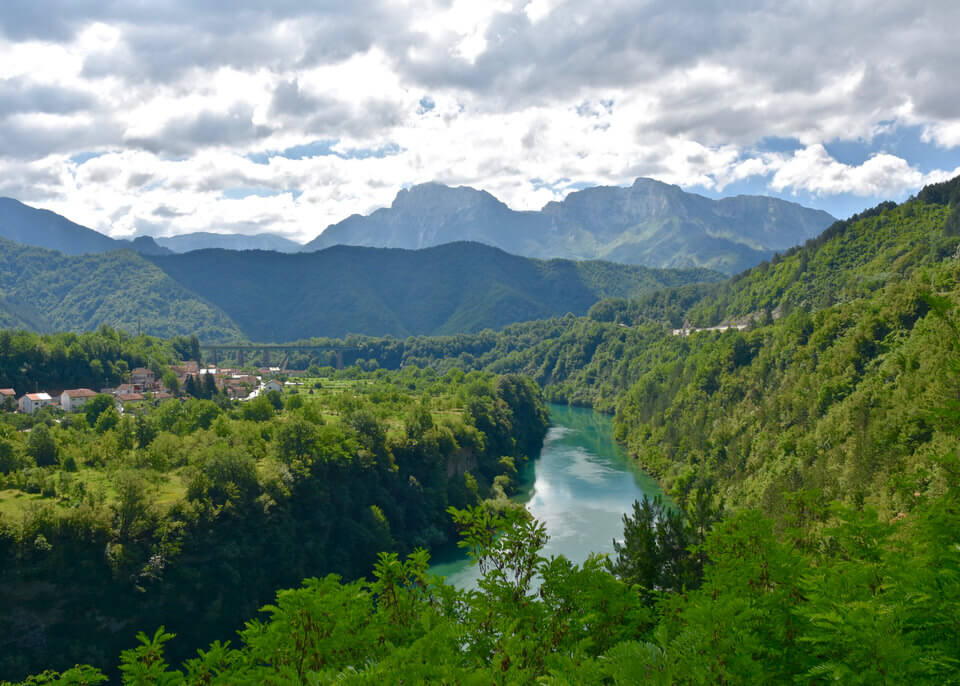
point(173, 116)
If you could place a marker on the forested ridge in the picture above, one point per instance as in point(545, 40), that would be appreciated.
point(230, 295)
point(50, 291)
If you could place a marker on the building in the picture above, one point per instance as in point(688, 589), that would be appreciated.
point(32, 402)
point(273, 385)
point(73, 400)
point(142, 377)
point(236, 392)
point(7, 395)
point(189, 367)
point(128, 398)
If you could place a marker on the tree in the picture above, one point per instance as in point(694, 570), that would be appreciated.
point(145, 431)
point(276, 399)
point(133, 505)
point(210, 389)
point(96, 406)
point(296, 439)
point(190, 386)
point(260, 409)
point(654, 552)
point(170, 382)
point(107, 420)
point(8, 456)
point(42, 447)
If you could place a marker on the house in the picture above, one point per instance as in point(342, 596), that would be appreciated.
point(73, 400)
point(128, 398)
point(126, 389)
point(273, 385)
point(143, 377)
point(7, 393)
point(32, 402)
point(189, 367)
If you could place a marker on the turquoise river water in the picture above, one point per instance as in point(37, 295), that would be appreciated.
point(580, 486)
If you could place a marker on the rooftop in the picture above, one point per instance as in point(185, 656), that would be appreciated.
point(79, 393)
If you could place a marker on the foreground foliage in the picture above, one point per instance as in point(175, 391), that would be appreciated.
point(843, 597)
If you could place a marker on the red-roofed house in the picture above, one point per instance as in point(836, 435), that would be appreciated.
point(73, 400)
point(7, 393)
point(32, 402)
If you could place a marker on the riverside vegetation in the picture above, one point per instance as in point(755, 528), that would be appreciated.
point(826, 434)
point(190, 514)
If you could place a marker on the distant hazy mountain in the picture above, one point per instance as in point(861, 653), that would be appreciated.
point(649, 223)
point(453, 288)
point(45, 229)
point(202, 240)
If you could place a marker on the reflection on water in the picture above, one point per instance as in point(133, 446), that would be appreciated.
point(581, 485)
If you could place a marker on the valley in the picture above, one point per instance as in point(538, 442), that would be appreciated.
point(813, 443)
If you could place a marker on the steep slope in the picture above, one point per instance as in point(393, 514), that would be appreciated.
point(838, 397)
point(45, 229)
point(432, 214)
point(50, 290)
point(650, 223)
point(452, 288)
point(202, 240)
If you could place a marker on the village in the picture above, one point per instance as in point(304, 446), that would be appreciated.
point(144, 385)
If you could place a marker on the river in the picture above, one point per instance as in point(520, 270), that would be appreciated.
point(580, 486)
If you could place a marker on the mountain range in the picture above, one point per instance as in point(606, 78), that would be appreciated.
point(269, 296)
point(45, 229)
point(201, 240)
point(649, 223)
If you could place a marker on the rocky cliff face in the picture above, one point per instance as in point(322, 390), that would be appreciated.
point(649, 223)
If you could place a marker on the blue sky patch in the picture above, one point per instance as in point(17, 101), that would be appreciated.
point(778, 144)
point(324, 148)
point(905, 142)
point(240, 192)
point(82, 157)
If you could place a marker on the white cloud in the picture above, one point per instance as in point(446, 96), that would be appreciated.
point(813, 169)
point(530, 99)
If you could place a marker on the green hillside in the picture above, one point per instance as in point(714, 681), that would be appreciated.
point(47, 290)
point(459, 287)
point(832, 387)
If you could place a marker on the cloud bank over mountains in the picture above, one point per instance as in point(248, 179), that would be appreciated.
point(288, 116)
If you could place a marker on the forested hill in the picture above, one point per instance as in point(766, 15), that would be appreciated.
point(44, 290)
point(222, 295)
point(649, 223)
point(458, 287)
